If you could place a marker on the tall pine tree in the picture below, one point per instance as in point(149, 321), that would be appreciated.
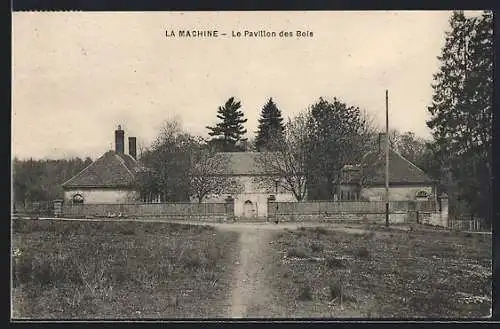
point(229, 132)
point(461, 109)
point(270, 127)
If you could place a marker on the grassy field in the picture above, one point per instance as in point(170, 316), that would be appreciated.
point(385, 273)
point(119, 270)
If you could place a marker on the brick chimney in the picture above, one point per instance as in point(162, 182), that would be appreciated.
point(132, 147)
point(381, 142)
point(119, 140)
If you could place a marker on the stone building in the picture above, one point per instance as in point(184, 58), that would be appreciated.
point(109, 179)
point(366, 181)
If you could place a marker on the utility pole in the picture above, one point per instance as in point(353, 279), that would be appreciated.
point(386, 157)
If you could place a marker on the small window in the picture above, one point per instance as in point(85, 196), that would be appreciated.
point(77, 199)
point(422, 194)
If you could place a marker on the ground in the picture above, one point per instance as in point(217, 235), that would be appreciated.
point(260, 271)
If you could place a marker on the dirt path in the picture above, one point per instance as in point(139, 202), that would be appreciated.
point(249, 289)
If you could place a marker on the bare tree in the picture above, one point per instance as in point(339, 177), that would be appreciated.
point(168, 159)
point(210, 174)
point(288, 163)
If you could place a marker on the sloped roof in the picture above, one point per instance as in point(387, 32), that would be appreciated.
point(110, 170)
point(246, 163)
point(401, 170)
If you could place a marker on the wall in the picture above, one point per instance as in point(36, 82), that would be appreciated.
point(394, 218)
point(255, 189)
point(171, 210)
point(358, 211)
point(96, 195)
point(396, 193)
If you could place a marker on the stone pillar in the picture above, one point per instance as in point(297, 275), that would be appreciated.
point(230, 208)
point(443, 209)
point(271, 208)
point(57, 208)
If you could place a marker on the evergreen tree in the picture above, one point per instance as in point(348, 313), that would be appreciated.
point(270, 126)
point(461, 109)
point(228, 134)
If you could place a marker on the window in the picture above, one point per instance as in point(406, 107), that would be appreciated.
point(422, 194)
point(77, 199)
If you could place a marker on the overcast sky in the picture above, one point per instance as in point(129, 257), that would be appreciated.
point(76, 76)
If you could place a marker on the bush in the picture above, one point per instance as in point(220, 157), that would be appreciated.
point(297, 252)
point(333, 262)
point(369, 235)
point(316, 247)
point(335, 289)
point(363, 253)
point(321, 230)
point(191, 260)
point(305, 293)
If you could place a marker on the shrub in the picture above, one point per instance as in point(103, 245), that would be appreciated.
point(335, 289)
point(321, 230)
point(297, 252)
point(369, 235)
point(363, 253)
point(316, 247)
point(305, 293)
point(333, 262)
point(191, 260)
point(128, 231)
point(22, 268)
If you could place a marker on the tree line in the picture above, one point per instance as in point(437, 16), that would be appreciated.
point(40, 180)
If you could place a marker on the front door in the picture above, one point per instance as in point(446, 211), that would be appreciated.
point(249, 209)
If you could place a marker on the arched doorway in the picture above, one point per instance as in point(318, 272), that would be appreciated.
point(248, 209)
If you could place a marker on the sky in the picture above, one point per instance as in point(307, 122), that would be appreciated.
point(76, 76)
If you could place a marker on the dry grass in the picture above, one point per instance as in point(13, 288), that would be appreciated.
point(385, 273)
point(119, 270)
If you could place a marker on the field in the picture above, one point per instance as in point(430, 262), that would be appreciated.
point(119, 270)
point(383, 273)
point(65, 269)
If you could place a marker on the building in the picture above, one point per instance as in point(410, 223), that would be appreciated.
point(109, 179)
point(366, 181)
point(253, 184)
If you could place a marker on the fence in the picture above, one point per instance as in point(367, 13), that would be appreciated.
point(371, 211)
point(33, 209)
point(356, 207)
point(469, 223)
point(172, 210)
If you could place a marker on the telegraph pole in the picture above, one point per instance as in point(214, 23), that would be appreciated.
point(386, 157)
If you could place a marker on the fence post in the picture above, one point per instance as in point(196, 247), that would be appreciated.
point(271, 208)
point(230, 208)
point(443, 210)
point(57, 208)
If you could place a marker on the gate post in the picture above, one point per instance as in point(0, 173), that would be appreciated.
point(271, 209)
point(443, 209)
point(57, 208)
point(230, 208)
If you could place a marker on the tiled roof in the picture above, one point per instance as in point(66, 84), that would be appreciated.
point(110, 170)
point(246, 163)
point(401, 170)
